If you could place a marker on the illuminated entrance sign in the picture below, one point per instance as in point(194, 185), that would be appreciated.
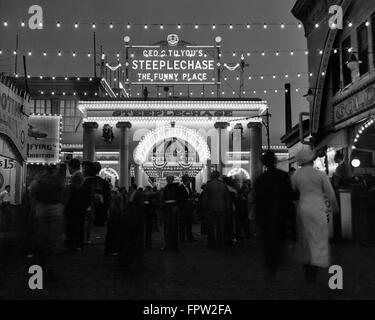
point(172, 63)
point(172, 113)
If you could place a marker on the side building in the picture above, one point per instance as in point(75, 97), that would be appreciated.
point(342, 104)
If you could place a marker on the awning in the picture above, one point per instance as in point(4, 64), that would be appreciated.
point(335, 140)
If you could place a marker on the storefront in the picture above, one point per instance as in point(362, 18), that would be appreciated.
point(342, 105)
point(14, 113)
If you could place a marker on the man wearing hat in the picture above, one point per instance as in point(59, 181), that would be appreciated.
point(274, 207)
point(186, 211)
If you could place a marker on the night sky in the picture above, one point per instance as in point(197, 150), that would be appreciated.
point(68, 39)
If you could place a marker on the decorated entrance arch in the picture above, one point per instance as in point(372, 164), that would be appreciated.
point(165, 132)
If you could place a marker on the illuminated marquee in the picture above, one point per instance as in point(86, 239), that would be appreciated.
point(172, 63)
point(172, 113)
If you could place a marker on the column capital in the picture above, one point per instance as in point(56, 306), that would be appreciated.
point(93, 125)
point(221, 125)
point(254, 124)
point(126, 124)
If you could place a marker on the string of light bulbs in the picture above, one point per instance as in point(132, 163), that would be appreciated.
point(161, 26)
point(197, 92)
point(274, 76)
point(240, 53)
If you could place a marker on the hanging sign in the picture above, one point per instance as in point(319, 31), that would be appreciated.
point(172, 63)
point(44, 139)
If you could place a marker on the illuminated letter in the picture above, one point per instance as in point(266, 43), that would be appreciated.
point(36, 20)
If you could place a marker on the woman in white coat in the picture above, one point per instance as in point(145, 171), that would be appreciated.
point(313, 188)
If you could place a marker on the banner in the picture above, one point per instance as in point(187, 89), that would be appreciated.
point(44, 139)
point(173, 63)
point(13, 117)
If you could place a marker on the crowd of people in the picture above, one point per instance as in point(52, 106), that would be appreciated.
point(278, 204)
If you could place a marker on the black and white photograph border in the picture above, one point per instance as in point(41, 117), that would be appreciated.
point(187, 155)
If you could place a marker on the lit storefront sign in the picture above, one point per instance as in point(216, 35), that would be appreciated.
point(172, 63)
point(44, 135)
point(172, 113)
point(355, 104)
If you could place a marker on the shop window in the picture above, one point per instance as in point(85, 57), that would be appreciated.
point(71, 116)
point(68, 108)
point(363, 49)
point(345, 54)
point(42, 106)
point(69, 124)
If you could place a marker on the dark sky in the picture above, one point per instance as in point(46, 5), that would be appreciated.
point(234, 12)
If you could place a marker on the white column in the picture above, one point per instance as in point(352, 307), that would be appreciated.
point(223, 144)
point(124, 154)
point(89, 140)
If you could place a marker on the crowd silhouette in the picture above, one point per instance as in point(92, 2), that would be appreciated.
point(275, 207)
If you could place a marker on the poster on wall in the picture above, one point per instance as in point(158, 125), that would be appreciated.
point(44, 139)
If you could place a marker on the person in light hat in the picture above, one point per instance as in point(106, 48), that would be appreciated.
point(313, 187)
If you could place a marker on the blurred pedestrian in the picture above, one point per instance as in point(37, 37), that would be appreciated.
point(230, 215)
point(74, 212)
point(103, 188)
point(132, 233)
point(113, 236)
point(313, 188)
point(202, 214)
point(90, 198)
point(186, 211)
point(171, 196)
point(242, 219)
point(274, 202)
point(216, 201)
point(149, 218)
point(48, 227)
point(5, 207)
point(251, 207)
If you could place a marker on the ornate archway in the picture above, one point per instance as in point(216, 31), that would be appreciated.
point(238, 171)
point(159, 134)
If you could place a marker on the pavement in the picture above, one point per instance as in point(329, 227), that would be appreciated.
point(194, 273)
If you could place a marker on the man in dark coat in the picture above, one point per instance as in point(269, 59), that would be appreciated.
point(132, 237)
point(216, 202)
point(103, 188)
point(149, 215)
point(74, 211)
point(186, 211)
point(274, 206)
point(171, 197)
